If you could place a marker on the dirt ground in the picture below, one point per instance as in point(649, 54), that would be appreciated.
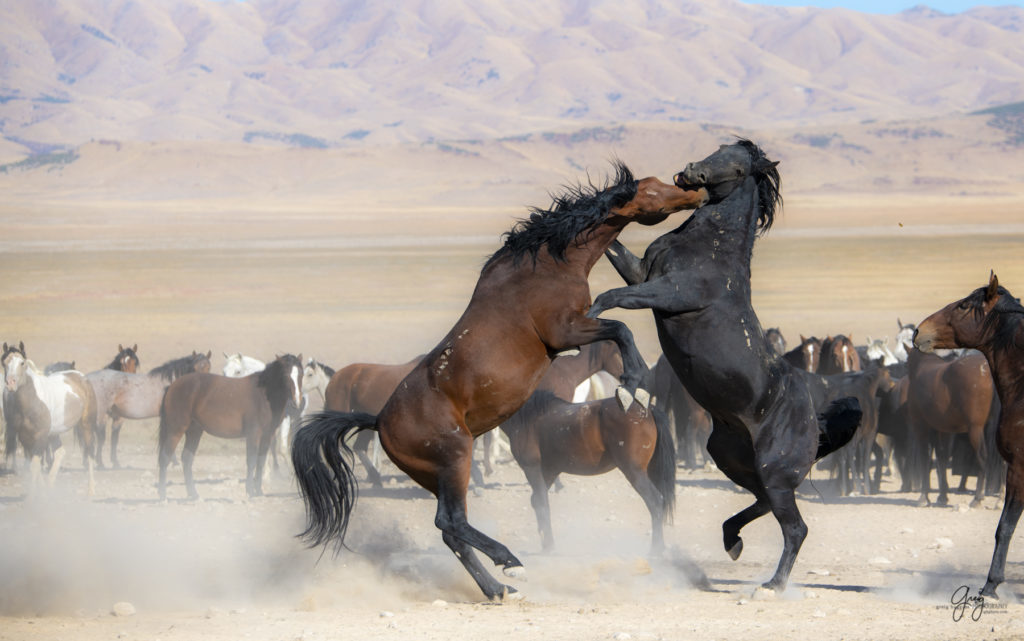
point(229, 568)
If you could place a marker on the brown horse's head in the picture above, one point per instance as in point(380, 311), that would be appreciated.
point(201, 362)
point(655, 201)
point(126, 360)
point(963, 323)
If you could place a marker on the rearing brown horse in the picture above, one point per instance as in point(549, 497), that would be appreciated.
point(991, 321)
point(529, 304)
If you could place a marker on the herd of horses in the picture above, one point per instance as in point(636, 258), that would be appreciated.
point(724, 387)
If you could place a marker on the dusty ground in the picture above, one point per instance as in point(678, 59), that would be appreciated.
point(228, 568)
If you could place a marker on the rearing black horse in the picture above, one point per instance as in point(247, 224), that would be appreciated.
point(696, 280)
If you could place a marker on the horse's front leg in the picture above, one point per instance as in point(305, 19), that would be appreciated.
point(628, 264)
point(584, 331)
point(671, 294)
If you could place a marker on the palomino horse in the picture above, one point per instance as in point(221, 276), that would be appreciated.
point(991, 320)
point(946, 397)
point(122, 394)
point(838, 356)
point(550, 436)
point(528, 306)
point(250, 407)
point(696, 280)
point(806, 355)
point(40, 406)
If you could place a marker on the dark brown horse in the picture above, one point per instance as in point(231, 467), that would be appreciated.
point(127, 359)
point(551, 436)
point(529, 305)
point(250, 407)
point(947, 397)
point(991, 320)
point(806, 355)
point(690, 422)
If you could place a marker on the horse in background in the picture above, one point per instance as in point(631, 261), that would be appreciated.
point(39, 407)
point(806, 355)
point(690, 422)
point(696, 280)
point(124, 395)
point(528, 305)
point(238, 365)
point(776, 340)
point(315, 378)
point(990, 319)
point(250, 407)
point(551, 436)
point(838, 356)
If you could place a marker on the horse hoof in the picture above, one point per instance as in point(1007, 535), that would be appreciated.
point(644, 398)
point(735, 550)
point(764, 593)
point(624, 397)
point(515, 572)
point(511, 594)
point(574, 351)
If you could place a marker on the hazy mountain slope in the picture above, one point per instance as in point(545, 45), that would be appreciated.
point(325, 73)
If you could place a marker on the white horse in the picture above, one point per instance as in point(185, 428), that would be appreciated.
point(878, 349)
point(904, 339)
point(38, 407)
point(238, 365)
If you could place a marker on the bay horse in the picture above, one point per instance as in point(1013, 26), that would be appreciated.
point(838, 356)
point(947, 396)
point(696, 281)
point(806, 355)
point(990, 319)
point(550, 436)
point(527, 307)
point(38, 407)
point(124, 395)
point(126, 360)
point(250, 407)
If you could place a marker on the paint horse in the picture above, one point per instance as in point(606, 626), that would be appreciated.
point(991, 320)
point(39, 407)
point(527, 307)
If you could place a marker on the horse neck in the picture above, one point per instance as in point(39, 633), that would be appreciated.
point(729, 226)
point(589, 246)
point(1005, 366)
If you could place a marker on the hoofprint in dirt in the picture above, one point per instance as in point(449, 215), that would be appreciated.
point(227, 567)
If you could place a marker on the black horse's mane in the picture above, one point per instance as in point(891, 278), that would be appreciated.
point(769, 184)
point(573, 211)
point(174, 368)
point(1005, 320)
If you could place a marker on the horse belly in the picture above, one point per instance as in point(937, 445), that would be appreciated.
point(64, 405)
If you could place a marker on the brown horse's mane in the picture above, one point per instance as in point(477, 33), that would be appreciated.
point(578, 208)
point(1005, 320)
point(271, 376)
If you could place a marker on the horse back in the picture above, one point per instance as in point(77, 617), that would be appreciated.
point(221, 405)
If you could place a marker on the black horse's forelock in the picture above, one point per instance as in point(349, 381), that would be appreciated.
point(573, 211)
point(769, 184)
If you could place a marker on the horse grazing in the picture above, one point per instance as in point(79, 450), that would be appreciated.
point(38, 407)
point(991, 320)
point(130, 395)
point(550, 436)
point(838, 356)
point(250, 407)
point(806, 355)
point(947, 397)
point(527, 307)
point(696, 280)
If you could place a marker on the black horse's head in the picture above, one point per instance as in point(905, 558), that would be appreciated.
point(726, 169)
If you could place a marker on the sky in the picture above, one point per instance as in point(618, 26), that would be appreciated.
point(889, 6)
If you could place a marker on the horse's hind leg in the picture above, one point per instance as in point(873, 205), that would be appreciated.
point(188, 455)
point(360, 447)
point(115, 436)
point(782, 499)
point(58, 457)
point(654, 501)
point(943, 446)
point(736, 461)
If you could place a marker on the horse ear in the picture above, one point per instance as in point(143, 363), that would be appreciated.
point(209, 354)
point(802, 339)
point(898, 323)
point(135, 347)
point(21, 346)
point(225, 355)
point(300, 357)
point(119, 348)
point(993, 286)
point(72, 364)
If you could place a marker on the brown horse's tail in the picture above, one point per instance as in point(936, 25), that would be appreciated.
point(327, 484)
point(837, 425)
point(662, 467)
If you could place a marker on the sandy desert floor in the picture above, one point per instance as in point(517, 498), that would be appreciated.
point(230, 568)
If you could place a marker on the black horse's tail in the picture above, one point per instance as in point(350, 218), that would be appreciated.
point(662, 467)
point(837, 425)
point(327, 484)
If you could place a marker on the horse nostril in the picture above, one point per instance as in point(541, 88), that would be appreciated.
point(702, 178)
